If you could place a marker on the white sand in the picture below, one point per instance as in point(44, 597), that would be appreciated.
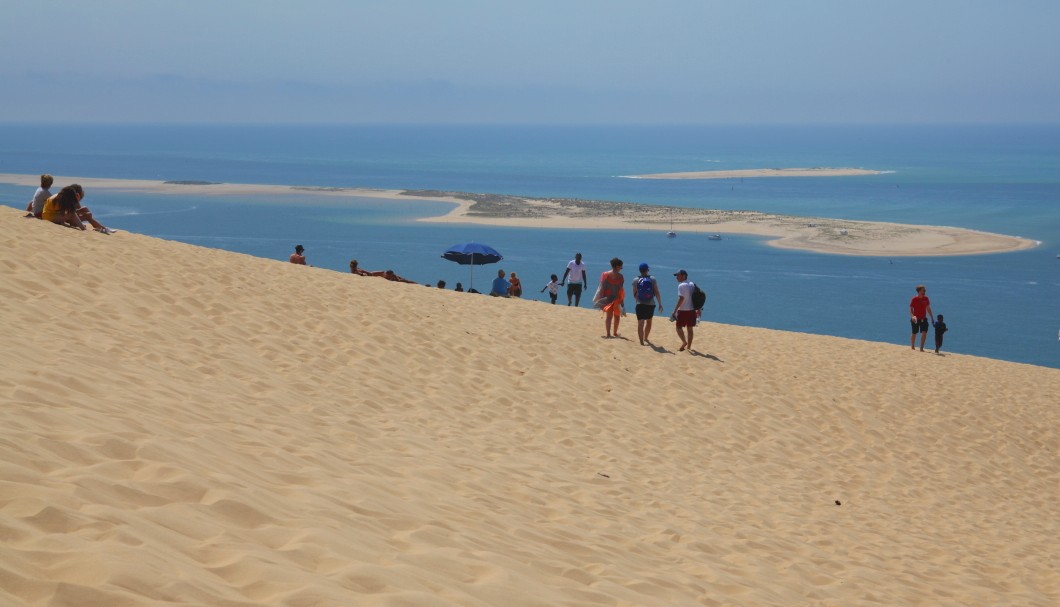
point(835, 236)
point(185, 426)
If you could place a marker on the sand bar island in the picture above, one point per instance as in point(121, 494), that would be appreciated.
point(750, 173)
point(836, 236)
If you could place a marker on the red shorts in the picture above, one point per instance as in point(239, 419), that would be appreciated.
point(686, 318)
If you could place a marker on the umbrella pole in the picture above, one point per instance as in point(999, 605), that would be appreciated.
point(471, 281)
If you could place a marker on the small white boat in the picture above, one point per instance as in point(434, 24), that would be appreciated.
point(714, 237)
point(671, 234)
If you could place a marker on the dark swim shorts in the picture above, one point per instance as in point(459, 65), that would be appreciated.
point(919, 326)
point(645, 311)
point(574, 288)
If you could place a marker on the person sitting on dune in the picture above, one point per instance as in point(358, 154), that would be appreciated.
point(298, 257)
point(65, 209)
point(354, 269)
point(35, 208)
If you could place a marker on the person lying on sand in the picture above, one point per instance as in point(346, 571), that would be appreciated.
point(388, 274)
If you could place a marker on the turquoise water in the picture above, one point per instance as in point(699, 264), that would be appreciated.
point(1000, 179)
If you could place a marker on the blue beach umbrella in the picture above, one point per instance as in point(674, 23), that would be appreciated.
point(472, 254)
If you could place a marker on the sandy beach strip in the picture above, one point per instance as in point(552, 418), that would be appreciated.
point(182, 425)
point(754, 173)
point(833, 236)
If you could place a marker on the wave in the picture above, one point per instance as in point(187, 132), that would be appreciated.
point(130, 212)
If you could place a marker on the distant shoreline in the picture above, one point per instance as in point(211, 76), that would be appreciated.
point(750, 173)
point(833, 236)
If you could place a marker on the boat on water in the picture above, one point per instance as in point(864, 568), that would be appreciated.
point(671, 233)
point(714, 237)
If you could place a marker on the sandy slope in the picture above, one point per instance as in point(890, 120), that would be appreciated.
point(184, 426)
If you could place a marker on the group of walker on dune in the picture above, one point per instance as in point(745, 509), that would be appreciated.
point(610, 298)
point(611, 295)
point(63, 208)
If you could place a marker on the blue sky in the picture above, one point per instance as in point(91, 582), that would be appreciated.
point(539, 61)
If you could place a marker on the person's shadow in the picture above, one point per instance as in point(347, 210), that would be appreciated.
point(705, 355)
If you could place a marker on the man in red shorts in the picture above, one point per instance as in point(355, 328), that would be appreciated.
point(919, 311)
point(684, 313)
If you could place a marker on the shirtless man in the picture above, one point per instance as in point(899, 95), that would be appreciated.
point(297, 257)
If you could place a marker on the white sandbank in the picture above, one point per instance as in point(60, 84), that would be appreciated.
point(836, 236)
point(753, 173)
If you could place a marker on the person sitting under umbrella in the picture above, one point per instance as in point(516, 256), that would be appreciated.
point(501, 287)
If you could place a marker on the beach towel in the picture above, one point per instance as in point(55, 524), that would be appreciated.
point(610, 294)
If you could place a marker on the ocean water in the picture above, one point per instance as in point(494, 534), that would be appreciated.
point(1002, 179)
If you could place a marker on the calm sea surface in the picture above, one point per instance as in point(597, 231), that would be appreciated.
point(1001, 179)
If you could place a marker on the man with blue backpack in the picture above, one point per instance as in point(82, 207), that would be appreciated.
point(646, 292)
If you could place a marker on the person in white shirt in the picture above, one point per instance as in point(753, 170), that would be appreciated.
point(553, 288)
point(684, 313)
point(578, 279)
point(35, 208)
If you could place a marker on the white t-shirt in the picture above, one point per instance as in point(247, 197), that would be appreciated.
point(39, 197)
point(685, 290)
point(577, 271)
point(553, 287)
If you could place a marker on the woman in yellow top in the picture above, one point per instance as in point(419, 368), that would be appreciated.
point(65, 209)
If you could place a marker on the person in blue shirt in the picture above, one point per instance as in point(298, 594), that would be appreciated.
point(500, 286)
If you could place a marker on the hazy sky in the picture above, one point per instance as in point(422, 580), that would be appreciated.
point(534, 61)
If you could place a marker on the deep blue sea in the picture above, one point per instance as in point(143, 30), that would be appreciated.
point(1003, 179)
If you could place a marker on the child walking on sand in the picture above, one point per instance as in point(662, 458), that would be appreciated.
point(940, 330)
point(553, 288)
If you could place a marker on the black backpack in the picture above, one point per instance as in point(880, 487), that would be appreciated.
point(699, 297)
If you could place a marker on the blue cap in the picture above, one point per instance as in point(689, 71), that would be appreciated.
point(643, 267)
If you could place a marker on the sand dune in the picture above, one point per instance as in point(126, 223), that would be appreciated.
point(187, 426)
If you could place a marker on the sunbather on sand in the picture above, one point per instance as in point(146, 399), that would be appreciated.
point(388, 274)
